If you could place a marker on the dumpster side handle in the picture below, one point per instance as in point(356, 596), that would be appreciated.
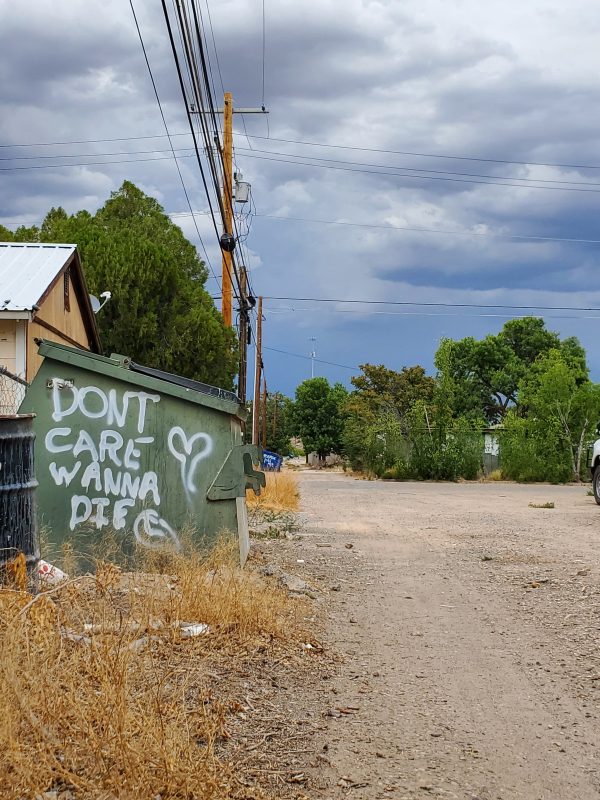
point(238, 474)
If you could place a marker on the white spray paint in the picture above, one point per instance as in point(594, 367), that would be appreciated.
point(183, 454)
point(105, 475)
point(152, 531)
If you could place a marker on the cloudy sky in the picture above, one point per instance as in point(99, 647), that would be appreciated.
point(454, 157)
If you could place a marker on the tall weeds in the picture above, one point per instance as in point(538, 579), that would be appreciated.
point(280, 494)
point(105, 695)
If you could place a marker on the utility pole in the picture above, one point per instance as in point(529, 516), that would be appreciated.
point(264, 412)
point(227, 153)
point(257, 375)
point(227, 258)
point(243, 368)
point(313, 355)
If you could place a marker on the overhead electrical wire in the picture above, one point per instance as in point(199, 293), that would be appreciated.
point(205, 60)
point(505, 182)
point(209, 144)
point(160, 108)
point(429, 304)
point(425, 155)
point(402, 228)
point(420, 169)
point(369, 313)
point(388, 171)
point(310, 358)
point(188, 49)
point(182, 151)
point(415, 154)
point(411, 229)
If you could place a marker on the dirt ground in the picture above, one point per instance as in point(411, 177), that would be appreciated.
point(466, 625)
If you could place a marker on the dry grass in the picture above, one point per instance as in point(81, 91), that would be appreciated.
point(103, 696)
point(495, 475)
point(280, 494)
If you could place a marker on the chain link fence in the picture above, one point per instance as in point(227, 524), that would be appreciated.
point(12, 392)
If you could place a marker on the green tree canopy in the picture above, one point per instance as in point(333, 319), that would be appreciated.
point(318, 416)
point(487, 372)
point(561, 412)
point(280, 411)
point(382, 389)
point(160, 313)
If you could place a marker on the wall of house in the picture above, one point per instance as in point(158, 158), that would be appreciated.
point(69, 322)
point(8, 344)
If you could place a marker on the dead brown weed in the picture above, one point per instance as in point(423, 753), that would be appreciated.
point(109, 693)
point(280, 494)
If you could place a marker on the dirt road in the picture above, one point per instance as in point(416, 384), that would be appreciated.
point(469, 628)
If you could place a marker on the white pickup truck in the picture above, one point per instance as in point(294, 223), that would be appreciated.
point(594, 465)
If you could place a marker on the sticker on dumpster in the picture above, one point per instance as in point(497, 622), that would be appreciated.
point(107, 464)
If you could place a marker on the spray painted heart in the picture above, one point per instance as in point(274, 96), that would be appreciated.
point(188, 454)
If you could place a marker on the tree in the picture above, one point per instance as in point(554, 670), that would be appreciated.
point(160, 313)
point(487, 373)
point(382, 389)
point(318, 416)
point(375, 414)
point(279, 423)
point(561, 413)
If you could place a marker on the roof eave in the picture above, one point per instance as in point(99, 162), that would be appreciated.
point(6, 313)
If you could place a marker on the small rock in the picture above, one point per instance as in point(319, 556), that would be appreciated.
point(349, 546)
point(353, 621)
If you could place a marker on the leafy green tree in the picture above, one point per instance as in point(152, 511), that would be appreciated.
point(487, 372)
point(160, 313)
point(561, 412)
point(279, 423)
point(375, 414)
point(318, 416)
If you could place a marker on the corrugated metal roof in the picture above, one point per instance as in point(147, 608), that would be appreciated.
point(27, 270)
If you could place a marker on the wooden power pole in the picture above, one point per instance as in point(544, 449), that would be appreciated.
point(257, 376)
point(227, 258)
point(243, 367)
point(264, 412)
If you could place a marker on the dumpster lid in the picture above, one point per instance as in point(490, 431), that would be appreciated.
point(121, 368)
point(187, 383)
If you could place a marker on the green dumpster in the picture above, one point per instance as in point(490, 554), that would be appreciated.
point(139, 454)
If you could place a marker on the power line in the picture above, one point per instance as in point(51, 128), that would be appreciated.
point(429, 304)
point(187, 110)
point(431, 230)
point(370, 313)
point(505, 182)
point(426, 155)
point(402, 228)
point(183, 186)
point(314, 144)
point(320, 360)
point(422, 169)
point(423, 177)
point(264, 47)
point(254, 153)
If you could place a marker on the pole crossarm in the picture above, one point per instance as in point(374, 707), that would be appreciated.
point(235, 111)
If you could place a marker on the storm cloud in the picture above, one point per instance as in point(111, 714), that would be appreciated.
point(508, 82)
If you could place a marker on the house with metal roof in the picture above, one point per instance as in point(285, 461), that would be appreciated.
point(43, 295)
